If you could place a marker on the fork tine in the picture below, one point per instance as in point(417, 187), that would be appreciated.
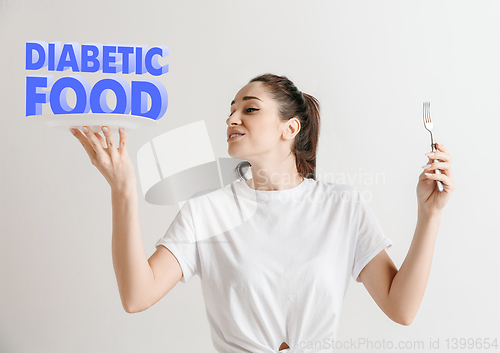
point(427, 113)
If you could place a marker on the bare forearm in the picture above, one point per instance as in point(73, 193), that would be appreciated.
point(130, 263)
point(409, 283)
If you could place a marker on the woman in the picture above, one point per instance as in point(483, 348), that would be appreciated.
point(283, 246)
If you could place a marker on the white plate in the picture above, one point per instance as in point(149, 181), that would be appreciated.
point(94, 121)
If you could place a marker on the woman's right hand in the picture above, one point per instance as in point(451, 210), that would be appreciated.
point(113, 162)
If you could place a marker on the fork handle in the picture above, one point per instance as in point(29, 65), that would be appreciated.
point(437, 171)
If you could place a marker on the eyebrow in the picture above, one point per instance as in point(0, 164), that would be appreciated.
point(247, 98)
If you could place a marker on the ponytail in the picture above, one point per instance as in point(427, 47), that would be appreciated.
point(306, 141)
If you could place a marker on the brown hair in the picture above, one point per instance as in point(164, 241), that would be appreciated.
point(294, 103)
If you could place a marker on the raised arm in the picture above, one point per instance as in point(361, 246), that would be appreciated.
point(400, 293)
point(141, 282)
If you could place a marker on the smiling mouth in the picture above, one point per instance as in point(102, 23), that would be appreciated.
point(234, 137)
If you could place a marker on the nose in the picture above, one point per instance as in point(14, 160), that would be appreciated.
point(232, 120)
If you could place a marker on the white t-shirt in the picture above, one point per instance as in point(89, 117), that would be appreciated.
point(275, 265)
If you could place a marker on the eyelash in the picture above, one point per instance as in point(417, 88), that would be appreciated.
point(246, 109)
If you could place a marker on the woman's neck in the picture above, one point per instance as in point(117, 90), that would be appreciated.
point(275, 181)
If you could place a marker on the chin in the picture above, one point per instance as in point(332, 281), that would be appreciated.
point(233, 154)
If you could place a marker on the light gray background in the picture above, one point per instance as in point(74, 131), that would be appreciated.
point(371, 64)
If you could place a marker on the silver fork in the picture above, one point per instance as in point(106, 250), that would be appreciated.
point(428, 125)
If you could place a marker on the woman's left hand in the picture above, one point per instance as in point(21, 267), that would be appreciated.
point(429, 198)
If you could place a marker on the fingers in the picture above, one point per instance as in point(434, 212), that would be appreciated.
point(444, 167)
point(123, 142)
point(101, 140)
point(86, 145)
point(96, 146)
point(441, 153)
point(447, 181)
point(441, 148)
point(94, 141)
point(443, 164)
point(110, 140)
point(443, 177)
point(443, 158)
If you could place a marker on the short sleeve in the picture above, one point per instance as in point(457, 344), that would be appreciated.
point(180, 239)
point(370, 238)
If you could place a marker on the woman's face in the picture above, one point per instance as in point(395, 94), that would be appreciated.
point(255, 114)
